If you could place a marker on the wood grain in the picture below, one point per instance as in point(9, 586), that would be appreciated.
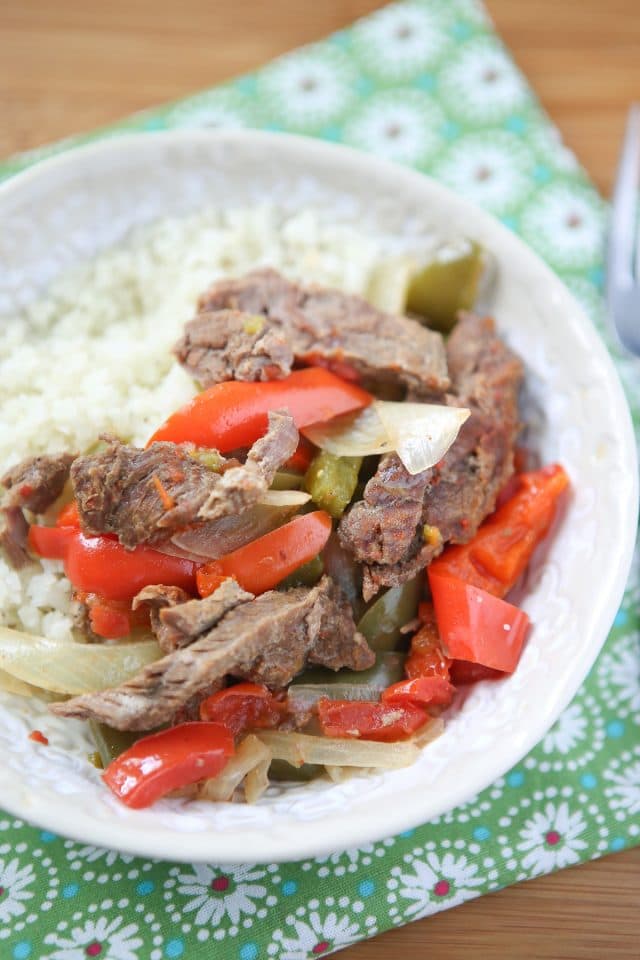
point(71, 65)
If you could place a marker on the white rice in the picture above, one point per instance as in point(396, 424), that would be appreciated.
point(94, 356)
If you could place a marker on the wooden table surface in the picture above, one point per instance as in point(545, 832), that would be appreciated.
point(69, 65)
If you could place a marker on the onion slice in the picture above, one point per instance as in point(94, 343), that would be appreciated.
point(299, 748)
point(420, 433)
point(74, 668)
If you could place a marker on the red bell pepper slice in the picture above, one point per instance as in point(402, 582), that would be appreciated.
point(498, 555)
point(301, 459)
point(478, 626)
point(232, 415)
point(263, 563)
point(367, 720)
point(168, 760)
point(245, 706)
point(103, 566)
point(435, 691)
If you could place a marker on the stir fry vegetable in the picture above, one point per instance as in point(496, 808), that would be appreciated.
point(232, 415)
point(245, 706)
point(362, 720)
point(451, 282)
point(331, 481)
point(168, 760)
point(383, 621)
point(262, 564)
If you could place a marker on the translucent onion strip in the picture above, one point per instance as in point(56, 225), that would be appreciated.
point(11, 684)
point(72, 667)
point(420, 433)
point(299, 748)
point(250, 754)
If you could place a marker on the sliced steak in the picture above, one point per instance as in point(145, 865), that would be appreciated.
point(230, 345)
point(13, 537)
point(267, 640)
point(385, 530)
point(37, 482)
point(145, 496)
point(256, 327)
point(177, 620)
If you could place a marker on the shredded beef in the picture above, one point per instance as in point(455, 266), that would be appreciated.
point(177, 620)
point(267, 640)
point(385, 529)
point(35, 483)
point(13, 537)
point(145, 496)
point(256, 327)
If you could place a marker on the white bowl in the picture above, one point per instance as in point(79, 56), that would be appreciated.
point(78, 204)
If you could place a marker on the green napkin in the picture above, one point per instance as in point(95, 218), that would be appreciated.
point(429, 85)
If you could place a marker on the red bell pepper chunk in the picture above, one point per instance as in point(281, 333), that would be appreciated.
point(109, 621)
point(232, 415)
point(69, 516)
point(263, 563)
point(245, 706)
point(38, 737)
point(498, 555)
point(103, 566)
point(301, 459)
point(477, 626)
point(435, 691)
point(367, 720)
point(168, 760)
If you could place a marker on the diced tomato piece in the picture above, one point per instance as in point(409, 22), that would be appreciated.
point(108, 621)
point(168, 760)
point(463, 673)
point(234, 414)
point(50, 542)
point(426, 656)
point(421, 690)
point(368, 720)
point(477, 626)
point(263, 563)
point(38, 737)
point(245, 706)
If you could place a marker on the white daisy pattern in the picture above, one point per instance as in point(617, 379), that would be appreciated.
point(624, 792)
point(112, 939)
point(565, 223)
point(437, 882)
point(401, 125)
point(620, 669)
point(400, 40)
point(217, 108)
point(79, 854)
point(314, 935)
point(552, 838)
point(480, 84)
point(490, 169)
point(213, 893)
point(14, 883)
point(567, 732)
point(308, 88)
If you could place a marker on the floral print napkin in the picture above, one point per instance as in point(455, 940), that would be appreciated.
point(428, 84)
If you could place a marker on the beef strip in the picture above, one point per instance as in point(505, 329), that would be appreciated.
point(145, 496)
point(267, 640)
point(177, 620)
point(35, 483)
point(256, 327)
point(13, 537)
point(385, 529)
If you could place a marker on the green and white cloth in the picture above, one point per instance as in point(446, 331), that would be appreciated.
point(428, 84)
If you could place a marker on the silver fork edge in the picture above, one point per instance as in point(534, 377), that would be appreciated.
point(623, 251)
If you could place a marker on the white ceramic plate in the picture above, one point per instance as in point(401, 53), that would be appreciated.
point(74, 206)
